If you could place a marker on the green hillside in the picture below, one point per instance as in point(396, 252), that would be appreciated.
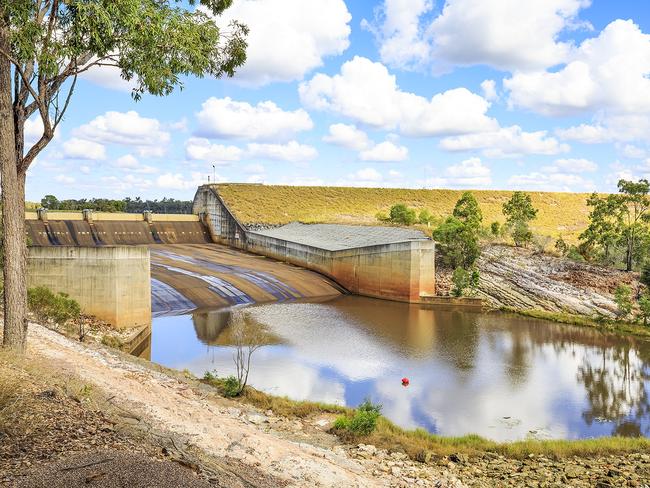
point(559, 213)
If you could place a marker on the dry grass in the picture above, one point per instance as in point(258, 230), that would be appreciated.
point(559, 213)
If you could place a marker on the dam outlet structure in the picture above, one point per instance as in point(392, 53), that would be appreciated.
point(375, 261)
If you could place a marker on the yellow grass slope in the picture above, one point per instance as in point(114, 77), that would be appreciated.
point(559, 213)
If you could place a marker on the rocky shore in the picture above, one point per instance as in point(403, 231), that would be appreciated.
point(212, 441)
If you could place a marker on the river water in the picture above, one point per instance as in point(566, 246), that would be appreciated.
point(500, 376)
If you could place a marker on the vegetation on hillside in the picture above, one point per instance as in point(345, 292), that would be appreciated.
point(560, 214)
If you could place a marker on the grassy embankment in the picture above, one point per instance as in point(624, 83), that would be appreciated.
point(420, 444)
point(604, 324)
point(559, 213)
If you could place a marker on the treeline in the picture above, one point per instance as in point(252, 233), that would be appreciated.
point(129, 205)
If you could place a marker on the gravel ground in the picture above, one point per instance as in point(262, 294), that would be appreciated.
point(110, 469)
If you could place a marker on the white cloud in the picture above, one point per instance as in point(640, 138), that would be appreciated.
point(292, 151)
point(608, 72)
point(489, 88)
point(385, 152)
point(178, 181)
point(402, 36)
point(471, 173)
point(548, 181)
point(128, 161)
point(33, 130)
point(610, 128)
point(65, 179)
point(571, 165)
point(366, 92)
point(634, 152)
point(84, 169)
point(366, 174)
point(288, 38)
point(227, 118)
point(506, 142)
point(347, 136)
point(108, 77)
point(254, 169)
point(505, 34)
point(76, 148)
point(198, 148)
point(126, 129)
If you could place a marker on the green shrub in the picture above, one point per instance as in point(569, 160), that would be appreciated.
point(623, 300)
point(401, 214)
point(561, 246)
point(363, 422)
point(461, 278)
point(231, 387)
point(47, 305)
point(425, 217)
point(495, 229)
point(574, 254)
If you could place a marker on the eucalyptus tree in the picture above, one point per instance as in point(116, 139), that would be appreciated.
point(45, 45)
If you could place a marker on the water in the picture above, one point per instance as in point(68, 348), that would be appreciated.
point(500, 376)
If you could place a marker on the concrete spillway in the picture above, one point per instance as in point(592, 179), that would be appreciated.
point(189, 276)
point(111, 233)
point(187, 270)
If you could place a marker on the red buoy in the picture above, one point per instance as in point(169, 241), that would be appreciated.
point(405, 381)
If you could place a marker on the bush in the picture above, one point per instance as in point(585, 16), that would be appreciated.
point(574, 254)
point(644, 307)
point(561, 247)
point(461, 279)
point(363, 422)
point(425, 217)
point(382, 217)
point(495, 229)
point(623, 300)
point(47, 305)
point(401, 214)
point(231, 387)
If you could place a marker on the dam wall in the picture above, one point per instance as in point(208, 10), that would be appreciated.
point(111, 283)
point(91, 229)
point(380, 262)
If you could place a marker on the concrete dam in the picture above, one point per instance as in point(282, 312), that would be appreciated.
point(124, 268)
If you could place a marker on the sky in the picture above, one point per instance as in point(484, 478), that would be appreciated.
point(541, 95)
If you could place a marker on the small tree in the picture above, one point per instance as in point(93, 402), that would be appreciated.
point(468, 211)
point(246, 343)
point(495, 229)
point(519, 211)
point(461, 278)
point(623, 300)
point(458, 235)
point(644, 307)
point(401, 214)
point(561, 246)
point(425, 217)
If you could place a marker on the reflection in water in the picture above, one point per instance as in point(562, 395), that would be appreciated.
point(497, 375)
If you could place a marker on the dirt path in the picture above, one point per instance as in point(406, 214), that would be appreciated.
point(216, 427)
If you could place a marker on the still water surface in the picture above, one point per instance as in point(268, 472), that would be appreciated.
point(501, 376)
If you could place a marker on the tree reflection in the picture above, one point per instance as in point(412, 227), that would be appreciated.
point(615, 382)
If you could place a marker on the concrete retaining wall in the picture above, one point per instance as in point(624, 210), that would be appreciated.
point(404, 271)
point(111, 283)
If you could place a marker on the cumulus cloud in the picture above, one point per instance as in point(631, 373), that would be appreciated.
point(295, 42)
point(65, 179)
point(292, 151)
point(506, 142)
point(76, 148)
point(548, 181)
point(474, 32)
point(227, 118)
point(126, 129)
point(489, 88)
point(348, 136)
point(201, 149)
point(108, 77)
point(610, 128)
point(130, 163)
point(385, 152)
point(366, 92)
point(179, 181)
point(573, 165)
point(471, 173)
point(608, 72)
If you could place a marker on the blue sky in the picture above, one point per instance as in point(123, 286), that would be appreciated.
point(536, 95)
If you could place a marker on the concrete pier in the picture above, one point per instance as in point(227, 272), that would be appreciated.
point(111, 283)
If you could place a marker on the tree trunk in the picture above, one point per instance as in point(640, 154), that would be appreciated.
point(13, 214)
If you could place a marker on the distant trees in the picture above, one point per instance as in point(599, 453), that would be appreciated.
point(458, 235)
point(137, 205)
point(619, 222)
point(519, 211)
